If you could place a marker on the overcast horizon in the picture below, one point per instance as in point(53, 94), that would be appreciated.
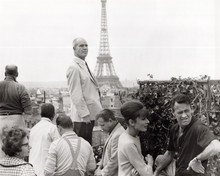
point(165, 38)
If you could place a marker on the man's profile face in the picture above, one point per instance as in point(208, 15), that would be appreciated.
point(105, 125)
point(183, 114)
point(81, 49)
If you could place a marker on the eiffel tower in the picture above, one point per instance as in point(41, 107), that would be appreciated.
point(104, 70)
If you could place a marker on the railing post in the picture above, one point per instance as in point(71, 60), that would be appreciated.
point(208, 100)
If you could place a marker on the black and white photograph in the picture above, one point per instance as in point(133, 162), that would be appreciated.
point(109, 88)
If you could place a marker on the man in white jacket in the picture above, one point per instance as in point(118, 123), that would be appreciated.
point(84, 92)
point(109, 162)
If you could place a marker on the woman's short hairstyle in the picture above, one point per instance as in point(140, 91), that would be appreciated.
point(106, 114)
point(12, 140)
point(47, 110)
point(132, 110)
point(64, 121)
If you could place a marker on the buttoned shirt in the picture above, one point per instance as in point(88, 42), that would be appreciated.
point(41, 136)
point(59, 158)
point(195, 138)
point(14, 97)
point(24, 169)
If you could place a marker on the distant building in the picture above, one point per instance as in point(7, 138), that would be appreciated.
point(67, 104)
point(31, 121)
point(110, 101)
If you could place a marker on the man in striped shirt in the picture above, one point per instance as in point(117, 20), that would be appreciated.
point(59, 158)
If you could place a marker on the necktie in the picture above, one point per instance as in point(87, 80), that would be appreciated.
point(91, 74)
point(94, 80)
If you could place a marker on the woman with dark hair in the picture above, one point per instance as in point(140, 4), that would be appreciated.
point(130, 159)
point(15, 146)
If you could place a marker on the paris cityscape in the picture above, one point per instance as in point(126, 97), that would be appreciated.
point(160, 56)
point(60, 98)
point(113, 93)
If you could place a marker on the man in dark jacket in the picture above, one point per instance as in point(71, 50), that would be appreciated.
point(14, 101)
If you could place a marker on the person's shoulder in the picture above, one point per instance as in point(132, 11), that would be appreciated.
point(73, 65)
point(200, 129)
point(199, 126)
point(126, 142)
point(119, 131)
point(121, 128)
point(123, 135)
point(20, 86)
point(53, 126)
point(85, 145)
point(84, 142)
point(41, 126)
point(27, 169)
point(57, 142)
point(174, 127)
point(35, 127)
point(48, 123)
point(124, 139)
point(18, 83)
point(53, 130)
point(73, 68)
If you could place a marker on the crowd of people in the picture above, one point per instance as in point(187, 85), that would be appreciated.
point(64, 148)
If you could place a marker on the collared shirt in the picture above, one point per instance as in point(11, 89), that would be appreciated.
point(23, 170)
point(41, 136)
point(195, 138)
point(14, 97)
point(59, 157)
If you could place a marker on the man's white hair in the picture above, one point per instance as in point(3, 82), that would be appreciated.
point(76, 41)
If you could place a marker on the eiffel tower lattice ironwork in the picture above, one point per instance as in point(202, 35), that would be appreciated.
point(104, 70)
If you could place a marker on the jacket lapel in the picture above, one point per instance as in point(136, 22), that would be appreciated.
point(92, 78)
point(107, 140)
point(84, 67)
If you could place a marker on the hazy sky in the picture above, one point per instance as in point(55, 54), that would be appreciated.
point(166, 38)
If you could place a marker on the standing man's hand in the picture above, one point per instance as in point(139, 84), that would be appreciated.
point(196, 166)
point(86, 119)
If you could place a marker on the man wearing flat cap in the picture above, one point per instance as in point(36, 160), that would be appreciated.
point(14, 101)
